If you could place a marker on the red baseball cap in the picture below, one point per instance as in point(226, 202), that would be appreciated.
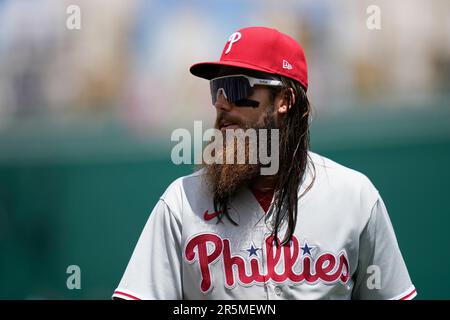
point(261, 49)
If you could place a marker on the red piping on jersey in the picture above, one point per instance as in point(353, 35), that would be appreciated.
point(209, 216)
point(408, 295)
point(264, 198)
point(126, 295)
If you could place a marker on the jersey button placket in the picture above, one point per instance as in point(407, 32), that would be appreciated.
point(278, 290)
point(263, 234)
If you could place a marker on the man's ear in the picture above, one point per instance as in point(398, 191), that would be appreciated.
point(287, 100)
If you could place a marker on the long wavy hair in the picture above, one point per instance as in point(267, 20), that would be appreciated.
point(294, 144)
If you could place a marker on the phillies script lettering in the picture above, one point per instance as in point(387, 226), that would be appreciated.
point(207, 249)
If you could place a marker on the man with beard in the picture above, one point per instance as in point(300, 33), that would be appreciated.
point(314, 229)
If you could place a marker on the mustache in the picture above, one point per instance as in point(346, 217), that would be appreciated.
point(226, 117)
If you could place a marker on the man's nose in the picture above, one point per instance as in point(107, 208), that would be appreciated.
point(222, 102)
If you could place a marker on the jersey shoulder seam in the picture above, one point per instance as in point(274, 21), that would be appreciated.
point(171, 211)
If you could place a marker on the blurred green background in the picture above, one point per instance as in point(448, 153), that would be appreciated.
point(86, 116)
point(87, 203)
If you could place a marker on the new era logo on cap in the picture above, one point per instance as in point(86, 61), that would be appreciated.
point(286, 65)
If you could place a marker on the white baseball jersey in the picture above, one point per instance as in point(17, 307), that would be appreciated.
point(343, 247)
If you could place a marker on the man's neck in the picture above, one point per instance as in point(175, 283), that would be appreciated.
point(264, 183)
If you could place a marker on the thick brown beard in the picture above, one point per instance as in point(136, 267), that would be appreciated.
point(224, 180)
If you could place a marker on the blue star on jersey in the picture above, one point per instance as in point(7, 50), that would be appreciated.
point(252, 250)
point(306, 249)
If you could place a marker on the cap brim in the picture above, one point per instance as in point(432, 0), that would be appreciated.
point(211, 70)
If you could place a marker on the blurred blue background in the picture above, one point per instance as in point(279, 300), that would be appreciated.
point(86, 117)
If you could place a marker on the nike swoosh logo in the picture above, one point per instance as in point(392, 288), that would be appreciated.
point(209, 216)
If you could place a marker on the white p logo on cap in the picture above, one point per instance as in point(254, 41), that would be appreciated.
point(233, 38)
